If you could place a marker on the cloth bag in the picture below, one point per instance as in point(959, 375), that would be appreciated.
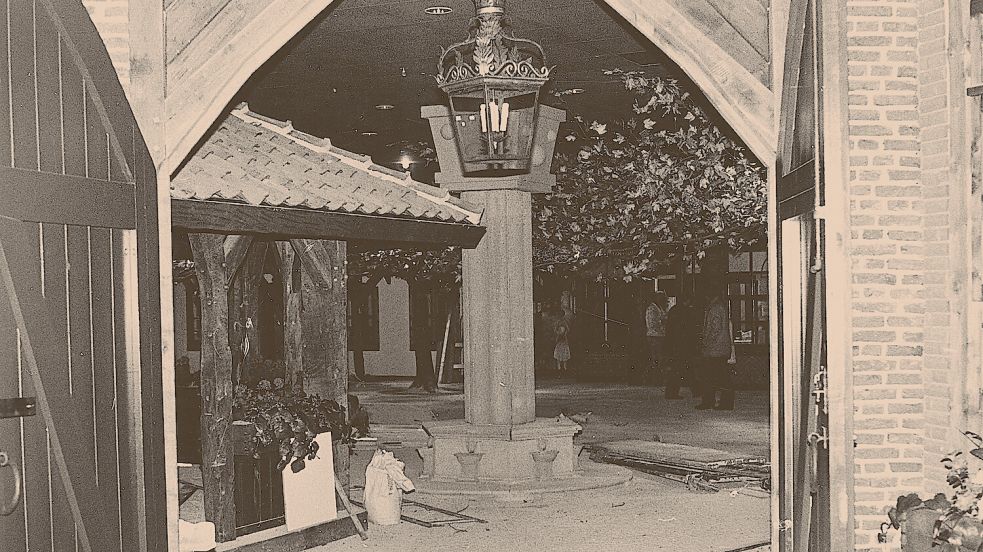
point(385, 483)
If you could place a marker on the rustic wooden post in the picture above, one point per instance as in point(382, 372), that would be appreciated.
point(293, 367)
point(324, 318)
point(218, 476)
point(244, 313)
point(324, 327)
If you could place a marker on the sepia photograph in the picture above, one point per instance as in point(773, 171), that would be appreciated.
point(491, 275)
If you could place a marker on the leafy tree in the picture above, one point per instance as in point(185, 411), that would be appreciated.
point(629, 193)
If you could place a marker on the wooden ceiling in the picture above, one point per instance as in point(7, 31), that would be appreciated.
point(364, 53)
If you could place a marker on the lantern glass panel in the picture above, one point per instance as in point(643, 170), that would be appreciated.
point(494, 125)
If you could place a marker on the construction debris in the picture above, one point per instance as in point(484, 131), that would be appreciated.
point(701, 470)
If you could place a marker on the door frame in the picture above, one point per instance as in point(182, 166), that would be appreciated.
point(831, 26)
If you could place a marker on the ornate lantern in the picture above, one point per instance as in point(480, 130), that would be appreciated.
point(493, 81)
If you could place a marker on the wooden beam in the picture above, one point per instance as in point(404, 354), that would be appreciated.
point(319, 262)
point(223, 63)
point(285, 223)
point(235, 248)
point(218, 475)
point(324, 318)
point(33, 196)
point(292, 328)
point(743, 101)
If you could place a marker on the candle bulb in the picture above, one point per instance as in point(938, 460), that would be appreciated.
point(505, 116)
point(484, 123)
point(493, 115)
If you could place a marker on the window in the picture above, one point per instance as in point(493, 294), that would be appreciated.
point(748, 294)
point(363, 317)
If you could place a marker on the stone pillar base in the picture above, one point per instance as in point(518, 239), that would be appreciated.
point(504, 454)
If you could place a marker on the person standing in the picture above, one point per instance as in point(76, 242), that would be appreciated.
point(655, 331)
point(682, 346)
point(717, 351)
point(561, 352)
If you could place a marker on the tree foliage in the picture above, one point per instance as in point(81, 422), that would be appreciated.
point(629, 193)
point(438, 266)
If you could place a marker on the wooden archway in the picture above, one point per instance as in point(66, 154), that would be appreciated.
point(213, 47)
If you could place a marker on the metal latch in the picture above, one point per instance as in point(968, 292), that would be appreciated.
point(18, 407)
point(820, 383)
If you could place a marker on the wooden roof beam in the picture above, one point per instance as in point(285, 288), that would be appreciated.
point(286, 223)
point(743, 101)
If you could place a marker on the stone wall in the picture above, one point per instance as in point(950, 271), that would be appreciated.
point(888, 256)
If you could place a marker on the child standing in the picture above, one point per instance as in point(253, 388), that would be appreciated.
point(561, 353)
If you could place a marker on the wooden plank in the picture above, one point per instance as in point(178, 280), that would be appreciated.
point(23, 119)
point(748, 46)
point(82, 45)
point(790, 81)
point(128, 427)
point(12, 384)
point(6, 151)
point(82, 440)
point(799, 180)
point(216, 385)
point(105, 364)
point(56, 357)
point(292, 328)
point(74, 127)
point(278, 540)
point(46, 197)
point(235, 248)
point(279, 223)
point(750, 19)
point(97, 152)
point(49, 95)
point(186, 19)
point(212, 37)
point(832, 27)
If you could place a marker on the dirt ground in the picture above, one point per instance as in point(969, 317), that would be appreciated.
point(647, 513)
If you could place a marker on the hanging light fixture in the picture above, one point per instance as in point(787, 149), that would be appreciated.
point(493, 81)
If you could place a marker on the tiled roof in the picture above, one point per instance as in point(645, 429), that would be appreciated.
point(256, 160)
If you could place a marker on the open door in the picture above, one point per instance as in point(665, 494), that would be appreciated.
point(804, 467)
point(79, 294)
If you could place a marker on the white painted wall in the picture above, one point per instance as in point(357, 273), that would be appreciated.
point(394, 357)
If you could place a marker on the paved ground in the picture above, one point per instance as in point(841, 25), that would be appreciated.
point(647, 513)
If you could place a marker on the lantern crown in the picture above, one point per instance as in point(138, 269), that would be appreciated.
point(493, 80)
point(491, 50)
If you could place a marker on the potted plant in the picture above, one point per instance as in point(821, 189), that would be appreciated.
point(947, 524)
point(286, 422)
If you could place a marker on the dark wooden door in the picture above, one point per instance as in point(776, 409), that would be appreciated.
point(804, 477)
point(79, 292)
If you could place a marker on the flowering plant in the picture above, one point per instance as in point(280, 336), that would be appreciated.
point(288, 421)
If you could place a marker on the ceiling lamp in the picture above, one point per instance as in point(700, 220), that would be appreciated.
point(438, 10)
point(493, 81)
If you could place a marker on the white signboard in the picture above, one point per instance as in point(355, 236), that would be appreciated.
point(308, 495)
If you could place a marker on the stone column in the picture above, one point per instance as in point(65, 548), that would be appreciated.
point(499, 386)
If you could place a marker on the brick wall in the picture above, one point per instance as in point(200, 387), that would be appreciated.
point(111, 17)
point(943, 207)
point(888, 257)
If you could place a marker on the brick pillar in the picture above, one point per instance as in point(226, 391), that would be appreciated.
point(887, 257)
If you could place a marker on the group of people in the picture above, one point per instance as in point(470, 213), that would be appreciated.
point(689, 346)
